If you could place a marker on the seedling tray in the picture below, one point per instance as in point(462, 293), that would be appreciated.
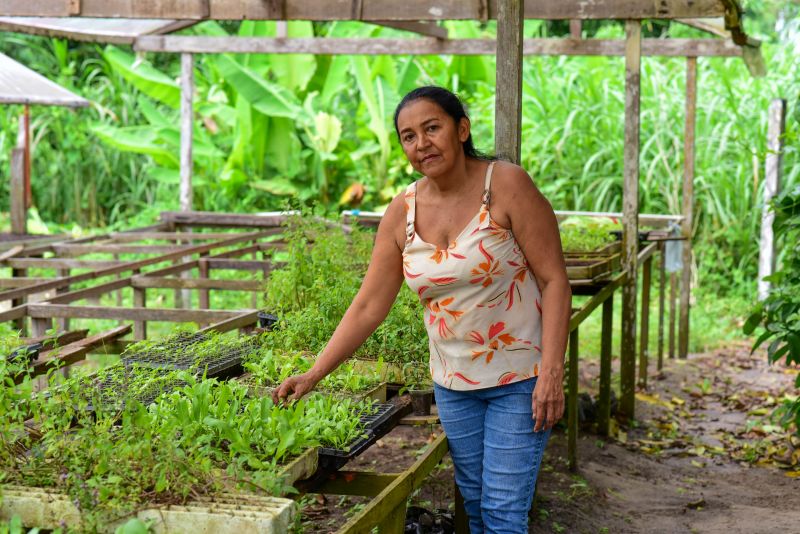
point(591, 268)
point(28, 352)
point(605, 251)
point(376, 426)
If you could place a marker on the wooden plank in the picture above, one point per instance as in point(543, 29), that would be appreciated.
point(630, 227)
point(604, 394)
point(429, 29)
point(572, 402)
point(226, 220)
point(508, 96)
point(187, 121)
point(131, 314)
point(662, 290)
point(373, 10)
point(397, 492)
point(644, 338)
point(70, 250)
point(168, 236)
point(688, 205)
point(238, 321)
point(193, 283)
point(76, 351)
point(361, 483)
point(90, 292)
point(59, 263)
point(429, 46)
point(16, 313)
point(239, 265)
point(20, 282)
point(60, 339)
point(776, 127)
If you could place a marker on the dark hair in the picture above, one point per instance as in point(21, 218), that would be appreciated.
point(451, 105)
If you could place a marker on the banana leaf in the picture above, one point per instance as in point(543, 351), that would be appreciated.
point(144, 76)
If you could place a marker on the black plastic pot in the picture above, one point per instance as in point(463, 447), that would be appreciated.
point(267, 320)
point(28, 352)
point(421, 400)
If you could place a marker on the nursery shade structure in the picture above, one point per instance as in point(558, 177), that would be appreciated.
point(110, 30)
point(21, 85)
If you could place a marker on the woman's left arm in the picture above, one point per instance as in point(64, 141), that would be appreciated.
point(534, 224)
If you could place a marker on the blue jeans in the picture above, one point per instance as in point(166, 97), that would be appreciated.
point(495, 451)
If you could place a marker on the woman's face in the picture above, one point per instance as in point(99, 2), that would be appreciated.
point(430, 138)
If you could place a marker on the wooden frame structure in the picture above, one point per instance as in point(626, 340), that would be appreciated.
point(509, 49)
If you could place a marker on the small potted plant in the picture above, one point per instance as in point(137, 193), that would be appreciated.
point(419, 385)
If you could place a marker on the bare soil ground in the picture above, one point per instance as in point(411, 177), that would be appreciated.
point(703, 456)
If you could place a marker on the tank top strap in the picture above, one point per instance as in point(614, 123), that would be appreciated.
point(411, 211)
point(487, 185)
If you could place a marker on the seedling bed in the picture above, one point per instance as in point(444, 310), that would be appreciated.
point(591, 268)
point(603, 252)
point(174, 355)
point(376, 426)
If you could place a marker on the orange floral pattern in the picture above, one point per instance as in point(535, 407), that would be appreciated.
point(482, 306)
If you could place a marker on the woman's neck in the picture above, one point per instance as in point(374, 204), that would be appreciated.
point(455, 181)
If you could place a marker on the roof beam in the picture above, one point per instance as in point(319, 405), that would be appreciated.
point(428, 29)
point(428, 46)
point(374, 10)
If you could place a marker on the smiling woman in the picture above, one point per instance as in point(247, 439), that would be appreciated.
point(491, 279)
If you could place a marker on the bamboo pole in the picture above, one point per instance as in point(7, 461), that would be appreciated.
point(508, 99)
point(630, 205)
point(772, 186)
point(688, 205)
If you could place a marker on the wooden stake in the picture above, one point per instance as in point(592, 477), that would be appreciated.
point(662, 289)
point(604, 396)
point(630, 209)
point(508, 97)
point(772, 186)
point(688, 204)
point(187, 91)
point(644, 340)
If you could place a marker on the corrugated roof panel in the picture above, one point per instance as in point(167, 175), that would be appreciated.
point(21, 85)
point(118, 31)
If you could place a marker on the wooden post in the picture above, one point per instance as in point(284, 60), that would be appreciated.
point(187, 91)
point(644, 340)
point(772, 186)
point(139, 301)
point(575, 28)
point(662, 283)
point(17, 201)
point(673, 297)
point(688, 204)
point(604, 396)
point(508, 97)
point(63, 323)
point(20, 324)
point(572, 402)
point(27, 147)
point(461, 520)
point(202, 267)
point(630, 215)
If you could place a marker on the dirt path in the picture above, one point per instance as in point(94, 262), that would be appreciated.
point(703, 457)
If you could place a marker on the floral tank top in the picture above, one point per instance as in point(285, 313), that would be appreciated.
point(481, 302)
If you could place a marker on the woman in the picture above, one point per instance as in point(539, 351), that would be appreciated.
point(479, 244)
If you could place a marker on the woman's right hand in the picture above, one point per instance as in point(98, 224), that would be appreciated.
point(294, 387)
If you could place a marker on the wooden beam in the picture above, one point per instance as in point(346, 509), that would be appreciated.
point(226, 220)
point(195, 283)
point(362, 483)
point(239, 265)
point(688, 205)
point(76, 351)
point(132, 314)
point(508, 95)
point(70, 250)
point(428, 29)
point(118, 237)
point(373, 10)
point(20, 282)
point(776, 127)
point(630, 210)
point(238, 321)
point(429, 46)
point(59, 263)
point(187, 121)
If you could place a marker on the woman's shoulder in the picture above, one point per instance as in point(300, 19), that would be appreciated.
point(510, 181)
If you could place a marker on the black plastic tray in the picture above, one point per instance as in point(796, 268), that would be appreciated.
point(29, 352)
point(376, 426)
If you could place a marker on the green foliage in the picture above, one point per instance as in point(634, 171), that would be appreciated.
point(202, 437)
point(586, 234)
point(779, 314)
point(322, 275)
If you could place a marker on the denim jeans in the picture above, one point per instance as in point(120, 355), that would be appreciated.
point(495, 451)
